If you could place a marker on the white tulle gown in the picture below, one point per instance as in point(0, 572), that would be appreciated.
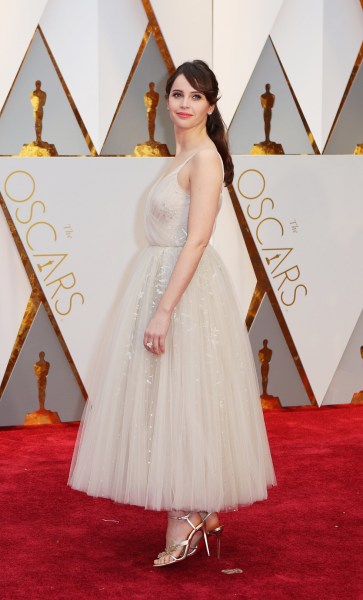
point(185, 430)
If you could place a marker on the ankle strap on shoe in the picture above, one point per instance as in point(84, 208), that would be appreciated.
point(181, 518)
point(184, 518)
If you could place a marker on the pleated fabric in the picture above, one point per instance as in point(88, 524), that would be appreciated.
point(183, 431)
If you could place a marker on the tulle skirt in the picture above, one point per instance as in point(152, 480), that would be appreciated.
point(183, 431)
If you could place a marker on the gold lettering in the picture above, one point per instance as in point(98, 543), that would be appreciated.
point(261, 209)
point(36, 225)
point(50, 262)
point(264, 221)
point(61, 284)
point(47, 264)
point(263, 184)
point(287, 277)
point(70, 304)
point(295, 292)
point(268, 260)
point(19, 199)
point(31, 212)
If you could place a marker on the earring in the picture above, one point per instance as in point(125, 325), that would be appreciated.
point(210, 112)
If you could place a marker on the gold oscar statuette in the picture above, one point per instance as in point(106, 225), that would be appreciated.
point(264, 356)
point(151, 147)
point(41, 416)
point(358, 396)
point(267, 146)
point(358, 149)
point(38, 98)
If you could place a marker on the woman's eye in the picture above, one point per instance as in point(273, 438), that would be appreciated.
point(197, 97)
point(176, 94)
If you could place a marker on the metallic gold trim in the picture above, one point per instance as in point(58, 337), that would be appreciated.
point(270, 403)
point(353, 74)
point(36, 298)
point(302, 116)
point(256, 301)
point(262, 280)
point(164, 51)
point(357, 398)
point(263, 283)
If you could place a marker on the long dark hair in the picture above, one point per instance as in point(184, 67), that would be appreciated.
point(203, 80)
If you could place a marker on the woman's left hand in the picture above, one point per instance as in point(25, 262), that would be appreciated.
point(155, 333)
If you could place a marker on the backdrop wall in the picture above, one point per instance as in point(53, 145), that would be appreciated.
point(290, 226)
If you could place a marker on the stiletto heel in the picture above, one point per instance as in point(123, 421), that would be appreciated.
point(185, 544)
point(218, 533)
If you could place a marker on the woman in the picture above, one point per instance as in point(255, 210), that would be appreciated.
point(174, 419)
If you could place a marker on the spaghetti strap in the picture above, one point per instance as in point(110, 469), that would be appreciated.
point(194, 153)
point(180, 166)
point(186, 161)
point(177, 169)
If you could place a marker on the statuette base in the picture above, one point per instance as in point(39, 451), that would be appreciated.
point(151, 148)
point(42, 417)
point(269, 402)
point(267, 148)
point(357, 398)
point(38, 149)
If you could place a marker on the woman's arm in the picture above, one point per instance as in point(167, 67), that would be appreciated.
point(205, 187)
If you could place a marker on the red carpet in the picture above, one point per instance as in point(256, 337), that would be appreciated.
point(303, 543)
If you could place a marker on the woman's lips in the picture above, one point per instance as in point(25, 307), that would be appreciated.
point(183, 115)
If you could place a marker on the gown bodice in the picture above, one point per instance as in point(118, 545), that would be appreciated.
point(166, 214)
point(167, 211)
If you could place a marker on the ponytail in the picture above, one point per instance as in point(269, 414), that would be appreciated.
point(217, 132)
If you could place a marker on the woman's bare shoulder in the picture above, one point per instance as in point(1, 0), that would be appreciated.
point(207, 159)
point(207, 155)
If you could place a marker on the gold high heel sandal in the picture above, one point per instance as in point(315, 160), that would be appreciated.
point(185, 544)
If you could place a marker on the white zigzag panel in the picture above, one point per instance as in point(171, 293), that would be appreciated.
point(102, 42)
point(239, 35)
point(18, 21)
point(328, 35)
point(21, 393)
point(187, 29)
point(308, 230)
point(348, 378)
point(15, 293)
point(229, 243)
point(83, 238)
point(287, 387)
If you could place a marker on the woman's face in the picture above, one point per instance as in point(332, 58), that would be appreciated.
point(187, 107)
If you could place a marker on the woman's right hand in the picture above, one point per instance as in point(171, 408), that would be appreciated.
point(155, 332)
